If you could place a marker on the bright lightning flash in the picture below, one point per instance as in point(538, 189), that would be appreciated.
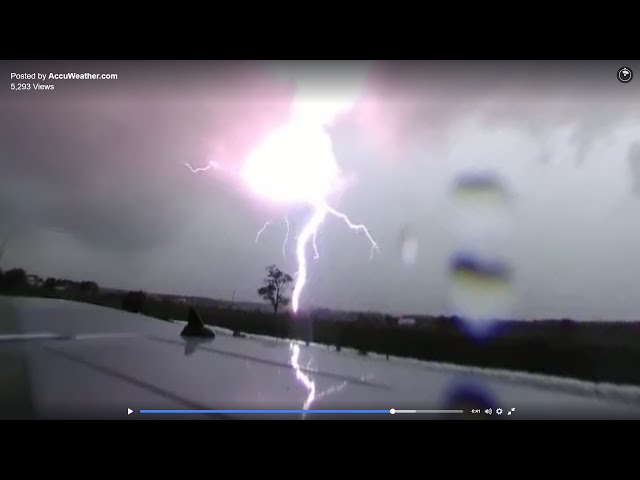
point(307, 382)
point(307, 232)
point(295, 164)
point(302, 378)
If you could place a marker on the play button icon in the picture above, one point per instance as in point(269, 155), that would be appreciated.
point(129, 411)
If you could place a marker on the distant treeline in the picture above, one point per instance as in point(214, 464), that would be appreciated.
point(17, 279)
point(595, 351)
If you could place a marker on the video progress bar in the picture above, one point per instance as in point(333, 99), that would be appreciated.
point(391, 411)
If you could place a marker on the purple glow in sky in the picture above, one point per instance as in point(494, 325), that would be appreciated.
point(294, 164)
point(93, 184)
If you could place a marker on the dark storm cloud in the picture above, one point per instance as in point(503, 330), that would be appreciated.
point(83, 170)
point(112, 172)
point(105, 163)
point(424, 100)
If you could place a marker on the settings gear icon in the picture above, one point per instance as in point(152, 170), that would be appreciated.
point(499, 411)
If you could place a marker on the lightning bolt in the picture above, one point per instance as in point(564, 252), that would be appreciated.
point(331, 390)
point(301, 377)
point(295, 164)
point(266, 224)
point(307, 382)
point(209, 166)
point(307, 232)
point(360, 228)
point(316, 255)
point(286, 238)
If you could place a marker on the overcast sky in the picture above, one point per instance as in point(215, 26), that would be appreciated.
point(93, 183)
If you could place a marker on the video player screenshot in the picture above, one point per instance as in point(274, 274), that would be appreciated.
point(315, 240)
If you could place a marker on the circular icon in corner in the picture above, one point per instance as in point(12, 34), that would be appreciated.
point(625, 75)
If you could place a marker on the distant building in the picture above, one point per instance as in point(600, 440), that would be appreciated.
point(406, 321)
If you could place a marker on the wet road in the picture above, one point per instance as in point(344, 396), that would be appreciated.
point(72, 360)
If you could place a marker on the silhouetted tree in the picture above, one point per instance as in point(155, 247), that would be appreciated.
point(50, 283)
point(89, 287)
point(14, 278)
point(390, 320)
point(275, 287)
point(134, 301)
